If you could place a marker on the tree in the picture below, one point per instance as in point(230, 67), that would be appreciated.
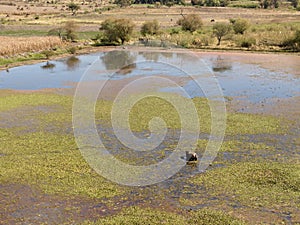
point(220, 30)
point(123, 3)
point(150, 27)
point(240, 25)
point(73, 7)
point(70, 28)
point(295, 3)
point(212, 3)
point(117, 30)
point(269, 3)
point(198, 2)
point(191, 22)
point(65, 32)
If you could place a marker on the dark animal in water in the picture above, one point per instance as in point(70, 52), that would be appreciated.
point(191, 156)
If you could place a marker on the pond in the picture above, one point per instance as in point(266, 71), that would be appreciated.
point(253, 77)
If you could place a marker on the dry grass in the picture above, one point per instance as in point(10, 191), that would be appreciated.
point(17, 45)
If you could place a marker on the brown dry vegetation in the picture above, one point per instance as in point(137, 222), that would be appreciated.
point(18, 45)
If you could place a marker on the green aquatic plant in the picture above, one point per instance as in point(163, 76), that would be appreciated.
point(139, 216)
point(51, 162)
point(12, 101)
point(38, 147)
point(255, 184)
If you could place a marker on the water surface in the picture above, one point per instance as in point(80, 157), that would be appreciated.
point(249, 76)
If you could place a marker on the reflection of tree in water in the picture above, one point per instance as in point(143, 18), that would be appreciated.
point(48, 66)
point(167, 55)
point(151, 56)
point(72, 63)
point(123, 61)
point(221, 65)
point(154, 56)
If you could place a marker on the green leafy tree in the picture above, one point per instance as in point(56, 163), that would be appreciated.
point(240, 25)
point(117, 30)
point(198, 2)
point(73, 7)
point(66, 32)
point(295, 3)
point(150, 27)
point(269, 3)
point(222, 3)
point(70, 28)
point(191, 22)
point(212, 3)
point(123, 3)
point(220, 30)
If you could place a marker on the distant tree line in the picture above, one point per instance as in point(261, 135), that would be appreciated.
point(163, 2)
point(221, 3)
point(265, 4)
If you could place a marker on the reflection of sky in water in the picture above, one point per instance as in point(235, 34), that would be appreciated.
point(251, 82)
point(235, 78)
point(34, 77)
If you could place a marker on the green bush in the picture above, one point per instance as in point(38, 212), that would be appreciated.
point(295, 3)
point(240, 25)
point(72, 50)
point(191, 22)
point(198, 2)
point(269, 3)
point(222, 3)
point(175, 30)
point(150, 27)
point(123, 3)
point(246, 5)
point(48, 53)
point(202, 40)
point(293, 43)
point(117, 30)
point(247, 42)
point(73, 7)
